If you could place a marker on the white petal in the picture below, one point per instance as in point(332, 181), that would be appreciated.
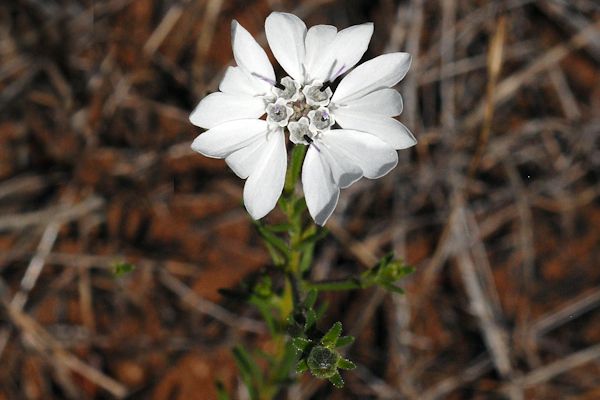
point(265, 184)
point(217, 108)
point(236, 81)
point(318, 39)
point(386, 102)
point(374, 157)
point(285, 34)
point(250, 57)
point(344, 170)
point(224, 139)
point(344, 52)
point(244, 161)
point(387, 129)
point(380, 72)
point(320, 191)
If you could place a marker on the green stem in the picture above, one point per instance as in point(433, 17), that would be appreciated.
point(344, 284)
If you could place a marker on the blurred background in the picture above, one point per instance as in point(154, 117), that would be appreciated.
point(497, 207)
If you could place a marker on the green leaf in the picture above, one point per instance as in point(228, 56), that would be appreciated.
point(344, 363)
point(299, 206)
point(344, 341)
point(332, 335)
point(311, 298)
point(307, 257)
point(271, 238)
point(278, 258)
point(322, 309)
point(337, 381)
point(302, 367)
point(300, 343)
point(266, 312)
point(313, 237)
point(121, 268)
point(311, 319)
point(278, 228)
point(394, 288)
point(221, 391)
point(249, 371)
point(286, 365)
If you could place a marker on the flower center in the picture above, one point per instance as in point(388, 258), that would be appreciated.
point(302, 109)
point(321, 119)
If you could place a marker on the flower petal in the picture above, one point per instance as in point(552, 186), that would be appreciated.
point(244, 161)
point(236, 81)
point(318, 39)
point(218, 107)
point(387, 129)
point(380, 72)
point(285, 34)
point(250, 57)
point(344, 170)
point(343, 53)
point(374, 157)
point(224, 139)
point(385, 102)
point(320, 190)
point(265, 184)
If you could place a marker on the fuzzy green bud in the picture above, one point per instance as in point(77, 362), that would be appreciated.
point(322, 362)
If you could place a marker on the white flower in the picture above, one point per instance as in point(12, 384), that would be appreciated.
point(363, 105)
point(253, 148)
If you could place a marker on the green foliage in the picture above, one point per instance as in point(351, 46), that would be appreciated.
point(221, 392)
point(320, 355)
point(121, 268)
point(249, 371)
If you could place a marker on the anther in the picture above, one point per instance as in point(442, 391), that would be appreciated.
point(279, 86)
point(325, 86)
point(308, 139)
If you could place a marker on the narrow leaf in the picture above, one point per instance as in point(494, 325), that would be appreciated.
point(221, 391)
point(302, 367)
point(346, 364)
point(311, 298)
point(311, 319)
point(300, 343)
point(394, 288)
point(344, 341)
point(337, 380)
point(332, 335)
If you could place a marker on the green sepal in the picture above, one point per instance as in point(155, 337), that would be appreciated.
point(336, 380)
point(344, 341)
point(300, 343)
point(346, 364)
point(331, 337)
point(302, 366)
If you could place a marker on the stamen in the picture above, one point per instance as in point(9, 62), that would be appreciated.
point(308, 139)
point(339, 72)
point(264, 78)
point(325, 86)
point(279, 86)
